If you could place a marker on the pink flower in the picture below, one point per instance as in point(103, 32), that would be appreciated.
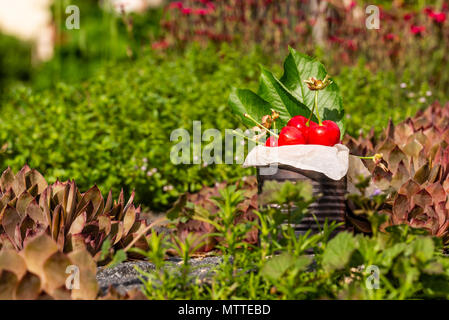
point(186, 11)
point(390, 36)
point(160, 45)
point(417, 30)
point(351, 45)
point(428, 11)
point(335, 39)
point(351, 6)
point(201, 12)
point(438, 17)
point(175, 5)
point(280, 21)
point(408, 16)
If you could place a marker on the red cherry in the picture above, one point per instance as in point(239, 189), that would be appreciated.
point(271, 142)
point(328, 134)
point(291, 135)
point(300, 123)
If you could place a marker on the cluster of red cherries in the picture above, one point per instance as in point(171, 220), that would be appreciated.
point(300, 130)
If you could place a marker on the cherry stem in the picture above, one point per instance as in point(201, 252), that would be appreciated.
point(315, 107)
point(246, 137)
point(366, 158)
point(260, 125)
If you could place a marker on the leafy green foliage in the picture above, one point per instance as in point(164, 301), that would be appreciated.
point(290, 96)
point(114, 130)
point(338, 252)
point(398, 263)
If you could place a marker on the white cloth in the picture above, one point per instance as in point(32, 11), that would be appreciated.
point(331, 161)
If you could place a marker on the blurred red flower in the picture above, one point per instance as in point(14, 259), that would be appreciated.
point(160, 45)
point(408, 16)
point(186, 10)
point(175, 5)
point(351, 45)
point(280, 22)
point(201, 12)
point(391, 36)
point(438, 17)
point(417, 30)
point(428, 10)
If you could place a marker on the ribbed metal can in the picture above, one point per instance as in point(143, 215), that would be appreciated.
point(330, 200)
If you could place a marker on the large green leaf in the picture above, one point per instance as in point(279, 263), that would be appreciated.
point(338, 251)
point(299, 67)
point(245, 101)
point(278, 265)
point(280, 98)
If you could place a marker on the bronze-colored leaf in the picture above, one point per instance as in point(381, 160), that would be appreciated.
point(78, 224)
point(422, 174)
point(34, 178)
point(6, 198)
point(400, 177)
point(71, 203)
point(6, 180)
point(129, 219)
point(10, 221)
point(434, 173)
point(88, 269)
point(117, 230)
point(437, 192)
point(409, 188)
point(8, 284)
point(412, 148)
point(10, 260)
point(37, 251)
point(35, 212)
point(19, 183)
point(422, 199)
point(401, 208)
point(94, 196)
point(56, 221)
point(54, 269)
point(45, 203)
point(104, 223)
point(108, 205)
point(395, 156)
point(28, 288)
point(22, 203)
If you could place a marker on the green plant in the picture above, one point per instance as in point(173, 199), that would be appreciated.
point(114, 130)
point(398, 262)
point(290, 95)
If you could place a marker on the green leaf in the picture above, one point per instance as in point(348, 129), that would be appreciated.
point(245, 101)
point(338, 251)
point(119, 257)
point(423, 248)
point(280, 98)
point(278, 265)
point(174, 212)
point(105, 248)
point(299, 67)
